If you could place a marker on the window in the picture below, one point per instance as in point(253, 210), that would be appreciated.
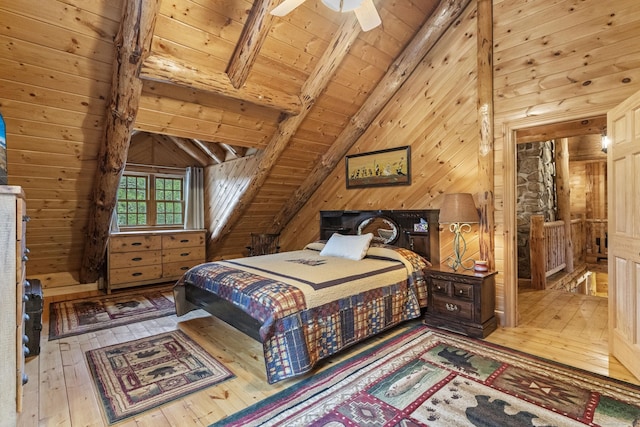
point(150, 200)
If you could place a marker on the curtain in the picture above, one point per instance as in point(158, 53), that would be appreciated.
point(194, 198)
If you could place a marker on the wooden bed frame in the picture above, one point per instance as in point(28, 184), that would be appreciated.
point(425, 243)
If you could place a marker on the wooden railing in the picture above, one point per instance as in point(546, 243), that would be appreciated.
point(578, 239)
point(547, 242)
point(596, 239)
point(548, 246)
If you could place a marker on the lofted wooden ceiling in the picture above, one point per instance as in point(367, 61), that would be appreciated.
point(223, 77)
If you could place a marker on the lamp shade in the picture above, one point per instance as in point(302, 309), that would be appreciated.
point(458, 207)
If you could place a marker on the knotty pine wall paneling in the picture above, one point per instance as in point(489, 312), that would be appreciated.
point(435, 114)
point(54, 81)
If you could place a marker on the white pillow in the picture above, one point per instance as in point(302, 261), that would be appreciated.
point(347, 246)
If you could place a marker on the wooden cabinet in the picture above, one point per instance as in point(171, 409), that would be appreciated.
point(462, 301)
point(140, 258)
point(13, 259)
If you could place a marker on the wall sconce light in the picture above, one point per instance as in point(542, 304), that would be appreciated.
point(459, 210)
point(604, 140)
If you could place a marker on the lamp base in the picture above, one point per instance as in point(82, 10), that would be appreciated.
point(459, 248)
point(454, 263)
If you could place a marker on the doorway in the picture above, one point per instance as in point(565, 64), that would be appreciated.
point(587, 179)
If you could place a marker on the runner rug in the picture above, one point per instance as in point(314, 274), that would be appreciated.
point(440, 379)
point(139, 375)
point(80, 316)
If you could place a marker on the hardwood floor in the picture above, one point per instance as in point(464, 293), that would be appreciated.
point(568, 328)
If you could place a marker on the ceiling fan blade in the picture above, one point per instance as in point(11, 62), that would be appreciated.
point(285, 7)
point(367, 15)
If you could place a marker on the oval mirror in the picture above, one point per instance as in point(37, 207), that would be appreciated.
point(383, 229)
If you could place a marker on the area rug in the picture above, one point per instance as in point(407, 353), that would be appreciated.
point(434, 378)
point(138, 375)
point(75, 317)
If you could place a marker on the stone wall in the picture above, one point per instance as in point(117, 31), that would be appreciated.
point(536, 194)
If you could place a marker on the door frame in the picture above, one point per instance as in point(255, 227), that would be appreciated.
point(509, 317)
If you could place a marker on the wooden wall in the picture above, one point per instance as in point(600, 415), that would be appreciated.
point(54, 81)
point(554, 61)
point(435, 114)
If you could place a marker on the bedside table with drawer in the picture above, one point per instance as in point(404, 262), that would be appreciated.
point(461, 301)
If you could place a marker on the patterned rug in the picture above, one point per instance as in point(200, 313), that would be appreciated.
point(138, 375)
point(80, 316)
point(435, 378)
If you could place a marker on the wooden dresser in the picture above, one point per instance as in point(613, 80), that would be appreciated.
point(462, 301)
point(141, 258)
point(13, 257)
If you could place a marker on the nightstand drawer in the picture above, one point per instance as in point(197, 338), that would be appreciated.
point(441, 287)
point(463, 291)
point(452, 307)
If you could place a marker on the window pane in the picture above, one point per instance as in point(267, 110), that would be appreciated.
point(132, 200)
point(169, 200)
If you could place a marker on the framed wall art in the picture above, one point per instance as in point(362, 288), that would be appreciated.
point(379, 168)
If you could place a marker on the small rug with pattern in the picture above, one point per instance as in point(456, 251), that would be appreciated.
point(75, 317)
point(433, 378)
point(139, 375)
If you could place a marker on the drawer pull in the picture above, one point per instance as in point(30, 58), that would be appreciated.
point(136, 244)
point(25, 378)
point(136, 274)
point(451, 307)
point(461, 292)
point(184, 241)
point(136, 259)
point(184, 254)
point(184, 268)
point(25, 258)
point(26, 218)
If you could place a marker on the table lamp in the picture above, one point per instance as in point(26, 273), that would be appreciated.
point(459, 210)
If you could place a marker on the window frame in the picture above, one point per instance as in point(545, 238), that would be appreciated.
point(151, 174)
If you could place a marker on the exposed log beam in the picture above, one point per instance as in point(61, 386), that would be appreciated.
point(231, 150)
point(486, 156)
point(188, 147)
point(443, 17)
point(165, 69)
point(253, 35)
point(317, 81)
point(212, 150)
point(132, 43)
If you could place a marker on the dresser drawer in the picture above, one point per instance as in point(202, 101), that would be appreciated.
point(183, 254)
point(177, 269)
point(134, 243)
point(453, 307)
point(135, 274)
point(134, 259)
point(183, 240)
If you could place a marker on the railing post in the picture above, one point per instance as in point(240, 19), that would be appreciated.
point(537, 250)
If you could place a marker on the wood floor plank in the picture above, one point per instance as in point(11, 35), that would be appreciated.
point(568, 328)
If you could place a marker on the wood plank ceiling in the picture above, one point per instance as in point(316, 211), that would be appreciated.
point(225, 76)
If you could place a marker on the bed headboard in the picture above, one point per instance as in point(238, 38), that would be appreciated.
point(412, 229)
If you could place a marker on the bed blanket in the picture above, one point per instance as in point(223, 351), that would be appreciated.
point(308, 307)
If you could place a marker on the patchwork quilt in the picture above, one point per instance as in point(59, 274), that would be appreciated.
point(312, 306)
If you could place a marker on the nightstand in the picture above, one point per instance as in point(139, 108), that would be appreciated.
point(461, 301)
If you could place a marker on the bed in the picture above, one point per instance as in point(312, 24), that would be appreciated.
point(360, 279)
